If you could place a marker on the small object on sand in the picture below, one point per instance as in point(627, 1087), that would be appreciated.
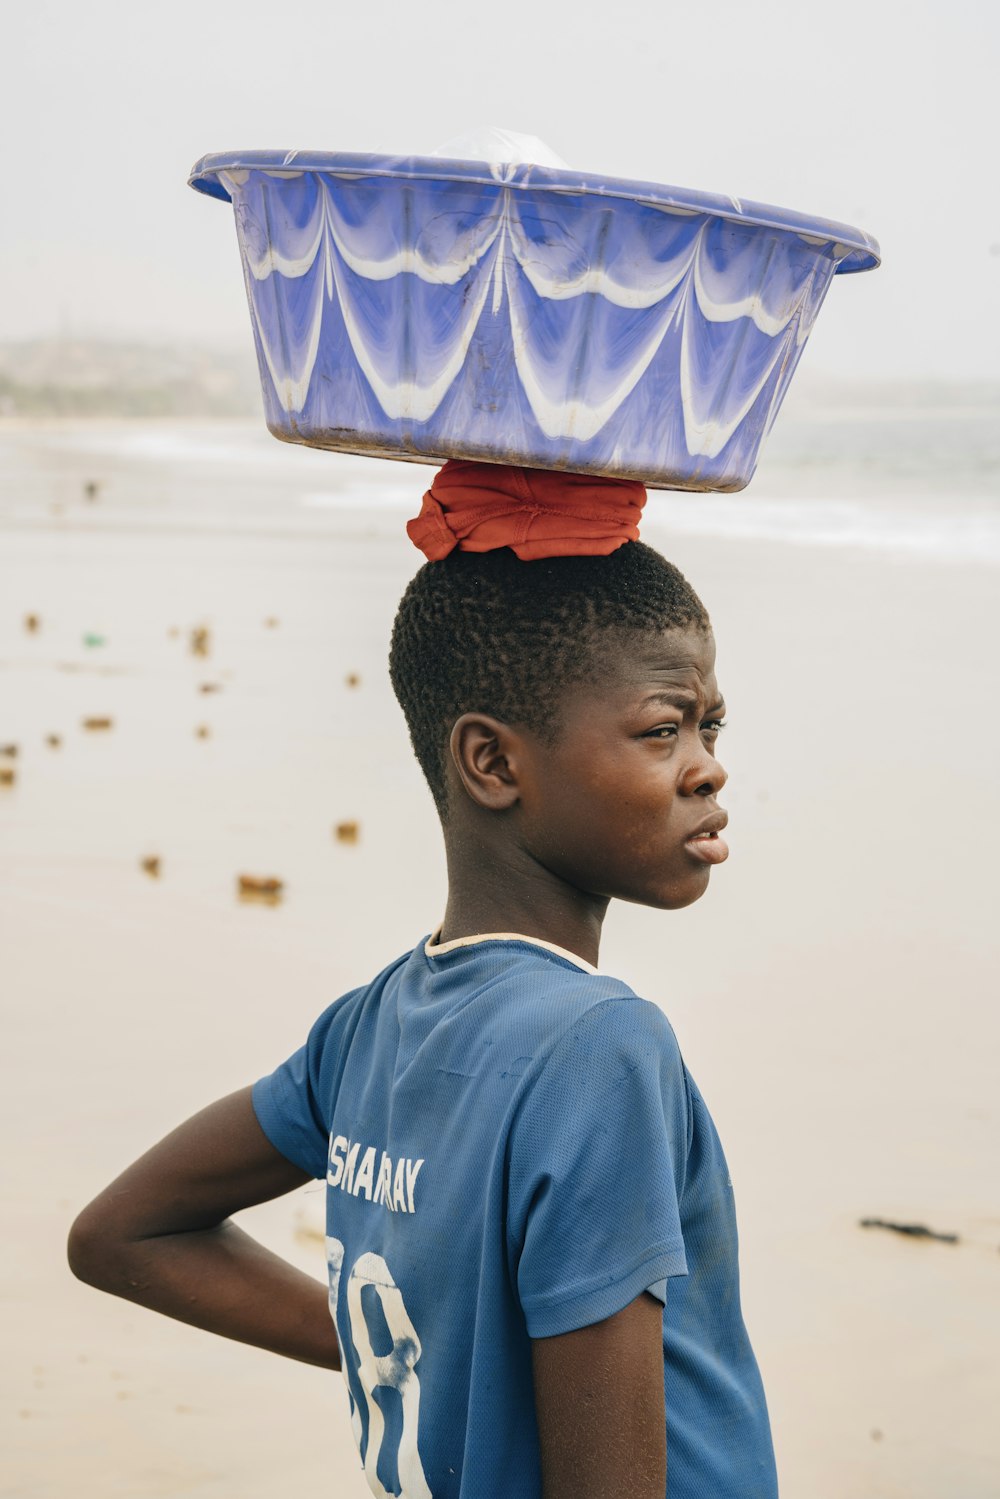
point(173, 632)
point(53, 740)
point(254, 884)
point(353, 679)
point(151, 864)
point(91, 489)
point(347, 832)
point(8, 775)
point(266, 890)
point(210, 687)
point(9, 751)
point(202, 731)
point(92, 640)
point(32, 622)
point(98, 723)
point(200, 641)
point(876, 1435)
point(912, 1230)
point(272, 622)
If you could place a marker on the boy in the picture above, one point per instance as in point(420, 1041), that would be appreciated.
point(531, 1240)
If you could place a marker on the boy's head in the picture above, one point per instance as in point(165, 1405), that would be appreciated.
point(572, 703)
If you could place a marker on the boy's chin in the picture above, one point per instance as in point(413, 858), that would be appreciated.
point(673, 897)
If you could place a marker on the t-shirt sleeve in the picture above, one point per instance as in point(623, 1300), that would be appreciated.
point(597, 1155)
point(293, 1102)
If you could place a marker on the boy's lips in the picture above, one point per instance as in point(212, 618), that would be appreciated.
point(704, 844)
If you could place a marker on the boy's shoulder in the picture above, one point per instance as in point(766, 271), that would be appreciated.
point(531, 1034)
point(509, 994)
point(497, 992)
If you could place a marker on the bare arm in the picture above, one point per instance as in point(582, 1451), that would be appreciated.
point(599, 1401)
point(159, 1235)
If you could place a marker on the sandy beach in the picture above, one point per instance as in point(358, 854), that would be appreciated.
point(834, 994)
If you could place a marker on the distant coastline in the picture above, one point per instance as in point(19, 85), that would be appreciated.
point(79, 377)
point(87, 377)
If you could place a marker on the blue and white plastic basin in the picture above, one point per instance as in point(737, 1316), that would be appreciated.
point(426, 308)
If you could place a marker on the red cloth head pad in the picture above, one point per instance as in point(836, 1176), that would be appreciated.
point(537, 512)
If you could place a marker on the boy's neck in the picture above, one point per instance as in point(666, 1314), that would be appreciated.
point(488, 896)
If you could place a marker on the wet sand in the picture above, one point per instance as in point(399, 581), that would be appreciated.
point(833, 994)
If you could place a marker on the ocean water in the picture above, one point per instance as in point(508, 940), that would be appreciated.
point(899, 470)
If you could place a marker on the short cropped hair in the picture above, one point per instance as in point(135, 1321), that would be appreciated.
point(487, 633)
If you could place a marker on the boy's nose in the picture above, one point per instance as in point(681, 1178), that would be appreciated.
point(706, 777)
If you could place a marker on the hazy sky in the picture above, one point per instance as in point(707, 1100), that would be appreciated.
point(882, 114)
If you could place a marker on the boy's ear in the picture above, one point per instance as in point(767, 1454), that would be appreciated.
point(484, 752)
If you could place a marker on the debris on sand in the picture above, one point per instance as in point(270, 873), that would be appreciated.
point(347, 832)
point(173, 632)
point(53, 740)
point(92, 640)
point(202, 731)
point(9, 751)
point(151, 864)
point(210, 687)
point(266, 890)
point(912, 1230)
point(353, 679)
point(255, 884)
point(91, 489)
point(32, 622)
point(8, 775)
point(271, 622)
point(98, 723)
point(200, 641)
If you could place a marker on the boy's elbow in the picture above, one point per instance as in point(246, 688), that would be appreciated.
point(90, 1248)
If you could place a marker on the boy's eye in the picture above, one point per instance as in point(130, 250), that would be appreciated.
point(670, 730)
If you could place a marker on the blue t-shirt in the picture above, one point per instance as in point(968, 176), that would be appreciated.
point(513, 1149)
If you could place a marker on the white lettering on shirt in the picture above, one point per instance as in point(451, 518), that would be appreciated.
point(347, 1182)
point(384, 1183)
point(335, 1170)
point(399, 1189)
point(366, 1171)
point(351, 1167)
point(411, 1179)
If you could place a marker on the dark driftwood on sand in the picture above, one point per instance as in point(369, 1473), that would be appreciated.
point(914, 1230)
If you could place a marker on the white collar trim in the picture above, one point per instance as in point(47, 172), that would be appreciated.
point(435, 949)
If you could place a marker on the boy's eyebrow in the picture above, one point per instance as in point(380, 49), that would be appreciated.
point(679, 697)
point(674, 697)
